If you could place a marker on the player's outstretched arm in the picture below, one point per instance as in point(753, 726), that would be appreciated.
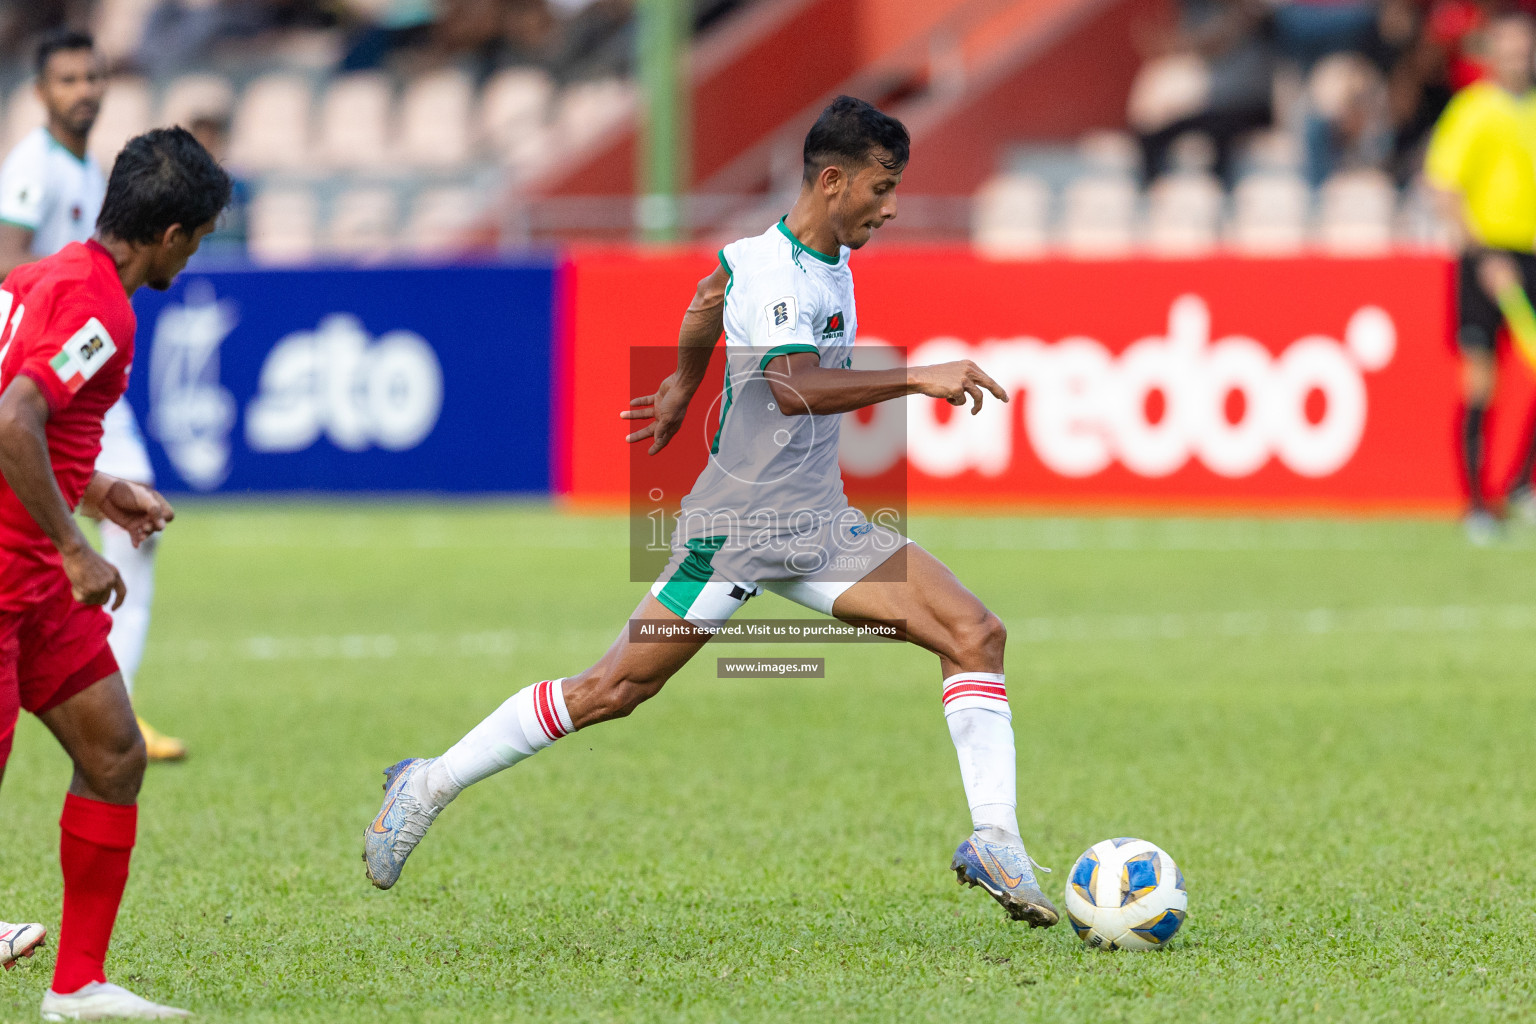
point(801, 385)
point(24, 463)
point(702, 326)
point(138, 509)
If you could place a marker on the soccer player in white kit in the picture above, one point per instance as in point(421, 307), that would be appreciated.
point(769, 513)
point(51, 190)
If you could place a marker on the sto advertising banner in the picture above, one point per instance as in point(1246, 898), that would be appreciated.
point(430, 379)
point(1219, 384)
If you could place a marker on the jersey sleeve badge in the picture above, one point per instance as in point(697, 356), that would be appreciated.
point(83, 354)
point(782, 314)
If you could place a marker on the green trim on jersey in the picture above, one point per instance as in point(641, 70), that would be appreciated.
point(695, 570)
point(714, 446)
point(81, 160)
point(730, 278)
point(784, 350)
point(800, 246)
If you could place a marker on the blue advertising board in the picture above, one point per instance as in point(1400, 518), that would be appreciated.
point(391, 379)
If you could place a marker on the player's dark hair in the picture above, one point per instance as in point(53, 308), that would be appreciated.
point(854, 131)
point(161, 178)
point(62, 40)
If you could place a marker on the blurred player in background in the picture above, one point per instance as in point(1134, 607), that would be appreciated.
point(1482, 164)
point(50, 193)
point(785, 302)
point(65, 355)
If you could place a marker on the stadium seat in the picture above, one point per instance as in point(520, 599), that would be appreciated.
point(1011, 215)
point(438, 220)
point(23, 112)
point(1098, 216)
point(125, 112)
point(514, 106)
point(271, 124)
point(1269, 215)
point(1419, 222)
point(1271, 151)
point(435, 120)
point(192, 96)
point(1109, 152)
point(356, 121)
point(119, 26)
point(362, 223)
point(1183, 215)
point(282, 225)
point(1356, 212)
point(588, 109)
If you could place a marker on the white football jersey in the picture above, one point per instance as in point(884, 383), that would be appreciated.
point(765, 466)
point(51, 192)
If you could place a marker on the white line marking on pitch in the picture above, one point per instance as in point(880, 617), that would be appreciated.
point(1178, 626)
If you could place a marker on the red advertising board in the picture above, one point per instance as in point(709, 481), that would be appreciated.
point(1220, 384)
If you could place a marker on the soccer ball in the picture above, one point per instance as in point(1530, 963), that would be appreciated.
point(1126, 894)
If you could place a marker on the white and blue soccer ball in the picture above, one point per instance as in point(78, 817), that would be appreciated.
point(1126, 894)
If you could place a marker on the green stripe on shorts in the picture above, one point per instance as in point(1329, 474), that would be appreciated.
point(695, 570)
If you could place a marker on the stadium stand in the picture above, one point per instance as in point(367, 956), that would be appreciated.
point(1238, 123)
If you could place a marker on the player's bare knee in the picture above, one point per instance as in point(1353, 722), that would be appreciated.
point(115, 770)
point(978, 641)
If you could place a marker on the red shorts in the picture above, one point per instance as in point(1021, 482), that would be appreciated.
point(48, 653)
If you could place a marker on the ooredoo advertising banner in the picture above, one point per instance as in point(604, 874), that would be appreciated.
point(394, 379)
point(1205, 384)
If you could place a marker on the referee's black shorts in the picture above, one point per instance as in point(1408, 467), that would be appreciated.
point(1478, 316)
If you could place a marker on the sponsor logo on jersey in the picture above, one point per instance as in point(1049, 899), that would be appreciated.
point(861, 529)
point(782, 314)
point(834, 328)
point(83, 354)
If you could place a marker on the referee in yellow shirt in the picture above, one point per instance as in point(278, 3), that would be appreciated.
point(1482, 165)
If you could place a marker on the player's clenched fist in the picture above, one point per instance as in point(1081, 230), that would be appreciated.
point(956, 382)
point(93, 579)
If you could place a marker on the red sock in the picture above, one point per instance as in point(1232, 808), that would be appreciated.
point(94, 851)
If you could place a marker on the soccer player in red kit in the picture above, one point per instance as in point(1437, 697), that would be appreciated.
point(65, 351)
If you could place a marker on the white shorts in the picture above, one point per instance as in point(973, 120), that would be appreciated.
point(123, 453)
point(707, 582)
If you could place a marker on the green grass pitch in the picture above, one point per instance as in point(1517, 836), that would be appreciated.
point(1330, 725)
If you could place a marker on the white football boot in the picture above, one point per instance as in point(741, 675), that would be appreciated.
point(19, 940)
point(102, 1000)
point(402, 821)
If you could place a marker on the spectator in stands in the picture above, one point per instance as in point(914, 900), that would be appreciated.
point(401, 24)
point(23, 20)
point(180, 34)
point(1306, 31)
point(1212, 74)
point(227, 242)
point(1482, 163)
point(479, 35)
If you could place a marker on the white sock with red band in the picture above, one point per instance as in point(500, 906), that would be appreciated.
point(981, 725)
point(530, 720)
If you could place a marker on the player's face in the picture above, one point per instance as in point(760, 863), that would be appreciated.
point(867, 200)
point(172, 254)
point(1510, 45)
point(71, 88)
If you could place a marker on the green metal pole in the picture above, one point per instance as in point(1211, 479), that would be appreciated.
point(662, 62)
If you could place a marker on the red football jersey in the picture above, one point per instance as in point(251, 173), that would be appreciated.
point(65, 322)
